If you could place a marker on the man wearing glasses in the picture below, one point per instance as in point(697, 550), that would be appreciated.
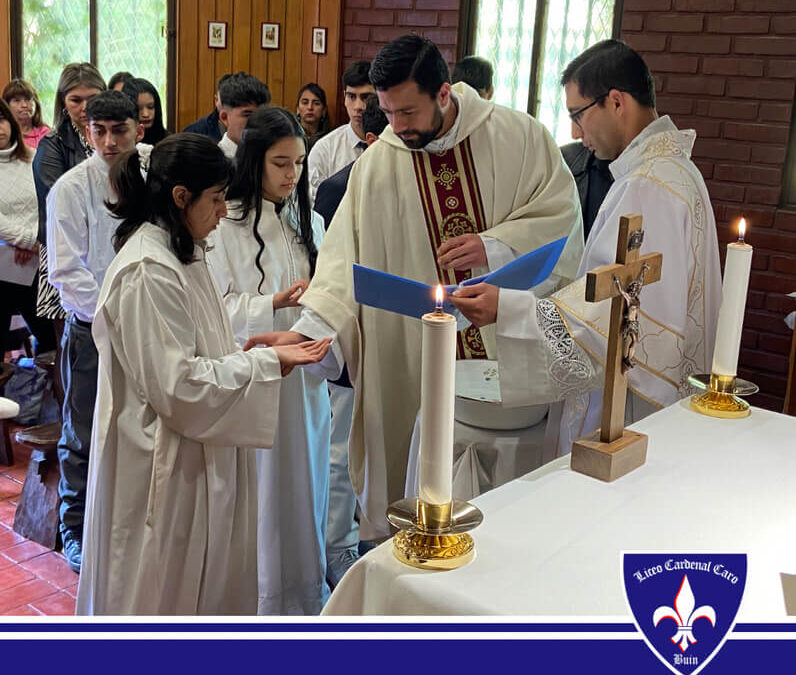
point(553, 349)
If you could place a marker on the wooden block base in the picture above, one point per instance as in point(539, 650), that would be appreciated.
point(609, 461)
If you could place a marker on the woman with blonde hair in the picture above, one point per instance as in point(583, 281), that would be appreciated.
point(24, 102)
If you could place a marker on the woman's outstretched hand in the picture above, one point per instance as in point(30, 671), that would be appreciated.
point(290, 297)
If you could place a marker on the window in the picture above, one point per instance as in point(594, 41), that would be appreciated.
point(530, 42)
point(114, 36)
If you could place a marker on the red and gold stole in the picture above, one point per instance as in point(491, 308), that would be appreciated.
point(452, 206)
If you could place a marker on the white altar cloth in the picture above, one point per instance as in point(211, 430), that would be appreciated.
point(551, 541)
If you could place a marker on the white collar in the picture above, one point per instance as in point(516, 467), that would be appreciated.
point(351, 136)
point(448, 140)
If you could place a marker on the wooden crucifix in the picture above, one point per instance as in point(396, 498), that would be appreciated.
point(612, 450)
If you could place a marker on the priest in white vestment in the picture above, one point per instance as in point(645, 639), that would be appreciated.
point(170, 514)
point(457, 185)
point(554, 349)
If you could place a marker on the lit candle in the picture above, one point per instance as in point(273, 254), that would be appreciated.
point(733, 302)
point(436, 405)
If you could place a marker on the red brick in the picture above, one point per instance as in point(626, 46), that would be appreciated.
point(737, 24)
point(763, 195)
point(781, 68)
point(780, 304)
point(386, 33)
point(754, 299)
point(732, 110)
point(783, 24)
point(701, 44)
point(774, 45)
point(775, 112)
point(672, 63)
point(781, 242)
point(764, 133)
point(437, 4)
point(756, 217)
point(417, 18)
point(658, 83)
point(674, 105)
point(448, 19)
point(674, 23)
point(759, 261)
point(697, 84)
point(348, 17)
point(357, 4)
point(370, 50)
point(646, 42)
point(748, 174)
point(783, 264)
point(768, 382)
point(767, 402)
point(374, 17)
point(761, 6)
point(632, 21)
point(769, 154)
point(705, 168)
point(441, 36)
point(748, 338)
point(725, 191)
point(647, 5)
point(356, 34)
point(704, 5)
point(765, 322)
point(732, 65)
point(352, 50)
point(720, 149)
point(393, 4)
point(704, 128)
point(764, 361)
point(785, 220)
point(760, 89)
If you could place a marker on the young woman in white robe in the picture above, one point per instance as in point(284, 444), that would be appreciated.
point(262, 256)
point(170, 513)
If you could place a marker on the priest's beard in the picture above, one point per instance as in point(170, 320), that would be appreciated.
point(414, 139)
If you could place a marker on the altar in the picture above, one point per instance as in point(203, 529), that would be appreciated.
point(551, 541)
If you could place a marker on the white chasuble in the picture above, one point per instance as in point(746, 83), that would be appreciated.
point(555, 349)
point(292, 478)
point(527, 199)
point(171, 504)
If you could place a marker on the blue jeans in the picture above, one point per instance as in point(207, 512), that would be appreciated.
point(79, 374)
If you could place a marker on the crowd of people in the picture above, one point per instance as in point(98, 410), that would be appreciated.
point(183, 277)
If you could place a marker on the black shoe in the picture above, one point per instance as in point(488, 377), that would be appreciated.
point(73, 550)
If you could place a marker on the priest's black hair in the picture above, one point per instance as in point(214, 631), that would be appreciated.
point(265, 127)
point(191, 160)
point(133, 88)
point(410, 57)
point(611, 64)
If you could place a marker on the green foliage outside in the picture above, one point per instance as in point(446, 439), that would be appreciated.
point(131, 36)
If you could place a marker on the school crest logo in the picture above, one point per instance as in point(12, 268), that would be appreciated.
point(684, 604)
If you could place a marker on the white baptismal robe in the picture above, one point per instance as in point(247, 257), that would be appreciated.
point(170, 512)
point(293, 478)
point(555, 349)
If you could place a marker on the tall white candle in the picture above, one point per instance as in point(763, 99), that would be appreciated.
point(733, 302)
point(437, 394)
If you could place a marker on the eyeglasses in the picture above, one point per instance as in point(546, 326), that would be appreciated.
point(576, 114)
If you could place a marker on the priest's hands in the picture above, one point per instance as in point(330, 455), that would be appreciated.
point(301, 354)
point(478, 303)
point(290, 297)
point(274, 339)
point(462, 253)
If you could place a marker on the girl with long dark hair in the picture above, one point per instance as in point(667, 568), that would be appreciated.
point(263, 254)
point(171, 509)
point(150, 111)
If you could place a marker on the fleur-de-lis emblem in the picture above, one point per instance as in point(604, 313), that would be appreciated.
point(685, 615)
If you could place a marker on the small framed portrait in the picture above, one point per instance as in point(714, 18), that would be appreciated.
point(217, 34)
point(269, 36)
point(318, 40)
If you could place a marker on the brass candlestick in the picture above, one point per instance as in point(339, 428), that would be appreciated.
point(721, 395)
point(434, 536)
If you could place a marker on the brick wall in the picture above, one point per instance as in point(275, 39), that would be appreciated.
point(726, 68)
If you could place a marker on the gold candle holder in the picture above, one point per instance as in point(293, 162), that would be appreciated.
point(721, 396)
point(434, 536)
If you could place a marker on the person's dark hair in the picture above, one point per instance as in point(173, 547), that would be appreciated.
point(24, 89)
point(121, 76)
point(133, 88)
point(242, 89)
point(21, 151)
point(265, 127)
point(111, 105)
point(607, 65)
point(357, 74)
point(317, 90)
point(191, 160)
point(410, 57)
point(73, 75)
point(373, 118)
point(475, 71)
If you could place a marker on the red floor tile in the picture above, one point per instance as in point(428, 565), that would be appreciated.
point(9, 538)
point(17, 472)
point(9, 489)
point(5, 562)
point(23, 594)
point(25, 551)
point(13, 576)
point(58, 604)
point(53, 568)
point(7, 511)
point(23, 610)
point(71, 590)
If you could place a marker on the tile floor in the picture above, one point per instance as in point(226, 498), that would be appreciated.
point(34, 581)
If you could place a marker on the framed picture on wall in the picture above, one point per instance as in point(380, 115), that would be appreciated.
point(269, 36)
point(318, 40)
point(217, 34)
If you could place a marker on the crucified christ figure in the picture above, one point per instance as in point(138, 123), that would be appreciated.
point(630, 327)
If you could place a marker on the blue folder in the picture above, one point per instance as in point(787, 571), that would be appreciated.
point(412, 298)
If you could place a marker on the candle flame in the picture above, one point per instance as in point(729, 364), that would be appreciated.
point(439, 295)
point(742, 229)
